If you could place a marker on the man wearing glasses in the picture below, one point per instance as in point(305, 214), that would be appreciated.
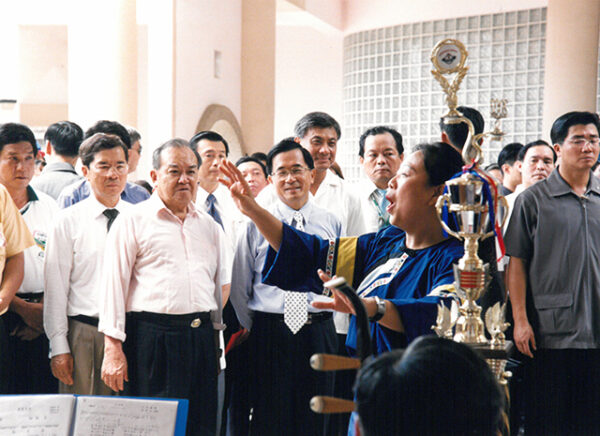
point(554, 284)
point(284, 329)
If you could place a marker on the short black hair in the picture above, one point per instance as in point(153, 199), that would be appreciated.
point(441, 161)
point(287, 145)
point(509, 154)
point(144, 184)
point(313, 120)
point(537, 143)
point(422, 391)
point(172, 143)
point(210, 136)
point(98, 142)
point(560, 127)
point(245, 159)
point(111, 128)
point(65, 137)
point(12, 133)
point(134, 135)
point(260, 156)
point(492, 166)
point(379, 130)
point(458, 133)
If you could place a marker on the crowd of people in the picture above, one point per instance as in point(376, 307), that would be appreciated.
point(207, 284)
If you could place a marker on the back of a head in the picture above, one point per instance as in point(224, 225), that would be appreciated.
point(209, 135)
point(437, 387)
point(560, 127)
point(509, 154)
point(13, 133)
point(441, 161)
point(458, 133)
point(320, 120)
point(110, 128)
point(65, 138)
point(288, 145)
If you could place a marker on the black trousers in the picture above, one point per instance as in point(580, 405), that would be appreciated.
point(169, 358)
point(344, 382)
point(28, 364)
point(282, 380)
point(563, 393)
point(4, 361)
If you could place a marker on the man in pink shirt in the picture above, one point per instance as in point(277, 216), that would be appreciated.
point(161, 293)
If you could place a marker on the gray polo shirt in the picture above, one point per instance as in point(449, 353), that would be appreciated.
point(55, 176)
point(557, 233)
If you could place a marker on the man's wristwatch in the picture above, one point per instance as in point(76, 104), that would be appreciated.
point(380, 310)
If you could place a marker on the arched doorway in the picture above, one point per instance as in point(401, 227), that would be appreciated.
point(221, 119)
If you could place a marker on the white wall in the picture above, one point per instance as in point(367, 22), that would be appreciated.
point(370, 14)
point(203, 27)
point(308, 70)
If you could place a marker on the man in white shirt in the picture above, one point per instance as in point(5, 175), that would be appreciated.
point(73, 266)
point(380, 153)
point(280, 377)
point(161, 293)
point(28, 345)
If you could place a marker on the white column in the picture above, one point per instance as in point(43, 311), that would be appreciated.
point(103, 62)
point(571, 70)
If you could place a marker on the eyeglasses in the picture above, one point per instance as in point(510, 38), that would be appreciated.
point(581, 142)
point(283, 173)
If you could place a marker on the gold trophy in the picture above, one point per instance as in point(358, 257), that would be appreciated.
point(472, 203)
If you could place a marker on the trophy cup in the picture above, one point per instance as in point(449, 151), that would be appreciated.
point(468, 210)
point(497, 112)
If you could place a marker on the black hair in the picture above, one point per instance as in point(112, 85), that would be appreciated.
point(98, 142)
point(379, 130)
point(134, 135)
point(560, 127)
point(111, 128)
point(287, 145)
point(245, 159)
point(319, 120)
point(492, 166)
point(172, 143)
point(509, 154)
point(434, 387)
point(458, 133)
point(209, 135)
point(11, 133)
point(260, 156)
point(65, 138)
point(441, 161)
point(539, 142)
point(144, 184)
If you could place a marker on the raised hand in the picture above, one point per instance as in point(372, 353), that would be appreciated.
point(238, 187)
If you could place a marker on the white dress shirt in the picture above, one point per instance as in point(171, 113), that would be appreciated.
point(39, 214)
point(230, 214)
point(73, 266)
point(248, 293)
point(333, 195)
point(510, 200)
point(364, 189)
point(158, 263)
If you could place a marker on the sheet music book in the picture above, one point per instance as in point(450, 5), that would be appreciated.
point(73, 415)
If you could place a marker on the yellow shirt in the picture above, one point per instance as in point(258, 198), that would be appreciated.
point(15, 237)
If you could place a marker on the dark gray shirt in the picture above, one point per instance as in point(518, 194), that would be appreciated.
point(557, 233)
point(54, 178)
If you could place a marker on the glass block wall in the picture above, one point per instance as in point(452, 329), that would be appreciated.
point(387, 78)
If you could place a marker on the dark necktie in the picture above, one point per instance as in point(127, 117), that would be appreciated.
point(111, 214)
point(212, 209)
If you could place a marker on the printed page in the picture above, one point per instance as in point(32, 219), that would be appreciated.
point(36, 415)
point(115, 416)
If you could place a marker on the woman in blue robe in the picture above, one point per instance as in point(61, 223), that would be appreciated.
point(401, 272)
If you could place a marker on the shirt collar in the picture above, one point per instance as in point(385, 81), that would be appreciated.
point(31, 195)
point(288, 213)
point(158, 206)
point(558, 186)
point(98, 208)
point(59, 166)
point(332, 179)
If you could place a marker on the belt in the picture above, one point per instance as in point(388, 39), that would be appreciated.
point(312, 316)
point(193, 320)
point(89, 320)
point(31, 297)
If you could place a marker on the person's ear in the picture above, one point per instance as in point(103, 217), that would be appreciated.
point(435, 193)
point(153, 176)
point(48, 148)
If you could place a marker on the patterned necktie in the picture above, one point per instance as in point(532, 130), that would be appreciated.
point(212, 209)
point(111, 214)
point(295, 309)
point(380, 203)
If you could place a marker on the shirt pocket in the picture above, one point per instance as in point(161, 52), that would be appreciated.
point(555, 313)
